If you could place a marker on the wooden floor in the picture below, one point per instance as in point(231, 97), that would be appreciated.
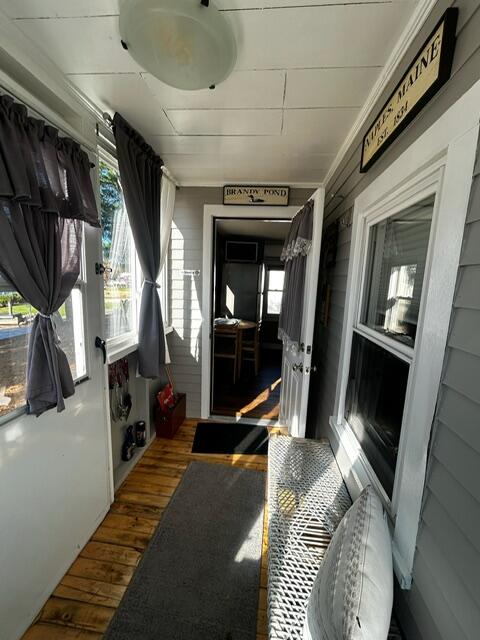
point(252, 396)
point(83, 603)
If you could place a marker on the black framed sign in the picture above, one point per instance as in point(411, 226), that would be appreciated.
point(429, 70)
point(256, 195)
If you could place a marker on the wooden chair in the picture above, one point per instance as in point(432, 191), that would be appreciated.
point(227, 345)
point(250, 348)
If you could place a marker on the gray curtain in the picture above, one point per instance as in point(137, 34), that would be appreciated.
point(45, 194)
point(294, 255)
point(141, 173)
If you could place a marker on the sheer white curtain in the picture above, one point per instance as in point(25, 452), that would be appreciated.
point(119, 282)
point(167, 205)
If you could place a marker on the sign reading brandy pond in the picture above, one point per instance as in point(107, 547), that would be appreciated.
point(255, 195)
point(428, 72)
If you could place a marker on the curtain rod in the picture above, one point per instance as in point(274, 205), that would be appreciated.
point(166, 173)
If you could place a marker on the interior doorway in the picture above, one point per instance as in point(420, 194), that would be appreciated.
point(246, 300)
point(213, 214)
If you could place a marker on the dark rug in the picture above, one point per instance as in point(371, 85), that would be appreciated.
point(200, 575)
point(230, 437)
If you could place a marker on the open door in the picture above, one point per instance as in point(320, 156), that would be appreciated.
point(296, 359)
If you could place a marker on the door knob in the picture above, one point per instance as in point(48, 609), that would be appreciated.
point(101, 344)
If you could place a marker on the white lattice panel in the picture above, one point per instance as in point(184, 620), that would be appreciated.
point(307, 498)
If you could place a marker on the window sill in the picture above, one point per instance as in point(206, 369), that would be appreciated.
point(360, 473)
point(121, 349)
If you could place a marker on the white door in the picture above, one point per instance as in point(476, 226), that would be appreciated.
point(57, 466)
point(296, 359)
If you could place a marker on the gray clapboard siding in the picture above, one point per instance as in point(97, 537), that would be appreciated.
point(444, 602)
point(185, 294)
point(464, 555)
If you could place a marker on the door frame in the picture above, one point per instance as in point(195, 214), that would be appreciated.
point(210, 213)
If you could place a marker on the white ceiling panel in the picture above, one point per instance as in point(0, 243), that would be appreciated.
point(233, 5)
point(226, 122)
point(81, 8)
point(128, 94)
point(347, 87)
point(304, 70)
point(243, 89)
point(59, 8)
point(322, 36)
point(240, 145)
point(310, 169)
point(328, 127)
point(81, 45)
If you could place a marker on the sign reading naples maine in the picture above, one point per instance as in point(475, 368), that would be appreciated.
point(260, 196)
point(427, 73)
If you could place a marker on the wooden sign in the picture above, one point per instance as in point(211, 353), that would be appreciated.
point(427, 73)
point(255, 195)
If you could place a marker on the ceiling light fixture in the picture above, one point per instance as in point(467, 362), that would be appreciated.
point(188, 44)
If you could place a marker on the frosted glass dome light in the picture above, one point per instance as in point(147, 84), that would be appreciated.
point(183, 43)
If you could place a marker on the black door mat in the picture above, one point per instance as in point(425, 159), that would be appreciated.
point(230, 437)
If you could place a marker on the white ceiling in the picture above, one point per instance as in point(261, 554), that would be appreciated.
point(303, 72)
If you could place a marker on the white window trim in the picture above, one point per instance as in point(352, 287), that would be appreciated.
point(441, 161)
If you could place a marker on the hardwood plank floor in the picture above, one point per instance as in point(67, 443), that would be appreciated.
point(85, 600)
point(252, 396)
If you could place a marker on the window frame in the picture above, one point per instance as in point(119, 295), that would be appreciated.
point(118, 346)
point(367, 220)
point(439, 163)
point(266, 290)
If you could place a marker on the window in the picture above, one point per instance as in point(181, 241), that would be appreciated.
point(119, 258)
point(395, 268)
point(407, 233)
point(384, 335)
point(377, 385)
point(16, 317)
point(274, 290)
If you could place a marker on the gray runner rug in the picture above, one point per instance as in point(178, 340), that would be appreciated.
point(200, 575)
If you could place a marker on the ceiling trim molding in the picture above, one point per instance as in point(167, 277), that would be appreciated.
point(415, 23)
point(264, 183)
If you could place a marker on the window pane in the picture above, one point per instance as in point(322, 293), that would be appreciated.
point(374, 405)
point(274, 302)
point(395, 268)
point(16, 317)
point(275, 280)
point(117, 256)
